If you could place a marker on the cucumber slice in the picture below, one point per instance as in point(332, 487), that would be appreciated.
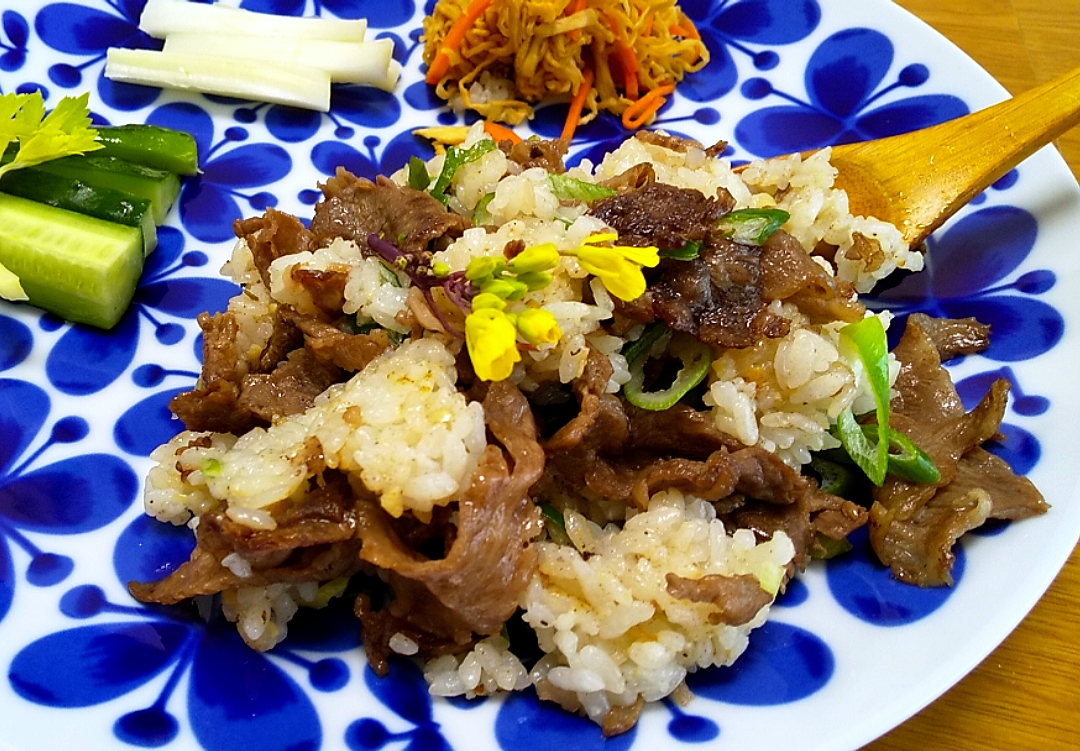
point(75, 195)
point(78, 267)
point(161, 188)
point(151, 146)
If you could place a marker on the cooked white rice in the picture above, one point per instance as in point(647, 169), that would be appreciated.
point(400, 426)
point(599, 605)
point(610, 630)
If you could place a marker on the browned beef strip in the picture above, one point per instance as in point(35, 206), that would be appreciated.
point(662, 215)
point(272, 235)
point(632, 178)
point(476, 586)
point(954, 336)
point(914, 527)
point(737, 599)
point(619, 453)
point(290, 388)
point(314, 541)
point(537, 153)
point(789, 273)
point(715, 297)
point(214, 404)
point(619, 720)
point(331, 345)
point(354, 208)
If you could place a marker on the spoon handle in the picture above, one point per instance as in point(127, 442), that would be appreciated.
point(926, 176)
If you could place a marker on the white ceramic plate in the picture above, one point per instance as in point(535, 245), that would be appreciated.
point(848, 654)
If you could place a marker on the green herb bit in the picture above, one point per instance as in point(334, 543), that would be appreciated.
point(688, 252)
point(41, 138)
point(753, 226)
point(455, 158)
point(695, 356)
point(419, 178)
point(571, 189)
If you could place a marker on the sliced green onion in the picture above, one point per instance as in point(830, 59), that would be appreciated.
point(826, 547)
point(836, 479)
point(419, 178)
point(553, 515)
point(867, 337)
point(696, 357)
point(753, 226)
point(907, 460)
point(387, 275)
point(688, 252)
point(455, 158)
point(871, 456)
point(635, 349)
point(210, 467)
point(481, 215)
point(328, 591)
point(571, 189)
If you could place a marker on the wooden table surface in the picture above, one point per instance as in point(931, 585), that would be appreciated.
point(1026, 694)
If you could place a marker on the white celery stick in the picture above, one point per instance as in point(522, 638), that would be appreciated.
point(163, 17)
point(393, 73)
point(294, 85)
point(346, 62)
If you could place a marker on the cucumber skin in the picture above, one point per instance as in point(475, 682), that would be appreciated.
point(78, 267)
point(161, 187)
point(75, 195)
point(152, 146)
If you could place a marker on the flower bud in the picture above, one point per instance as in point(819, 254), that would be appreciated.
point(538, 326)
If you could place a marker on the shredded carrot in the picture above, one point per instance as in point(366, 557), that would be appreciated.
point(500, 132)
point(627, 59)
point(641, 111)
point(679, 31)
point(573, 115)
point(441, 63)
point(647, 31)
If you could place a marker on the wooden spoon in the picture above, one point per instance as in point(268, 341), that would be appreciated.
point(918, 180)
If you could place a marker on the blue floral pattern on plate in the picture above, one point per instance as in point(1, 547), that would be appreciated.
point(80, 410)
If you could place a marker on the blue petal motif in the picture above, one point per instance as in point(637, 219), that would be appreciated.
point(23, 409)
point(91, 665)
point(966, 269)
point(86, 360)
point(783, 664)
point(728, 27)
point(16, 341)
point(844, 78)
point(147, 424)
point(382, 15)
point(77, 30)
point(17, 31)
point(240, 701)
point(208, 203)
point(869, 591)
point(73, 495)
point(7, 579)
point(525, 722)
point(148, 550)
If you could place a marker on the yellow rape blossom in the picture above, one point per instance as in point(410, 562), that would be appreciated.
point(618, 267)
point(538, 326)
point(491, 338)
